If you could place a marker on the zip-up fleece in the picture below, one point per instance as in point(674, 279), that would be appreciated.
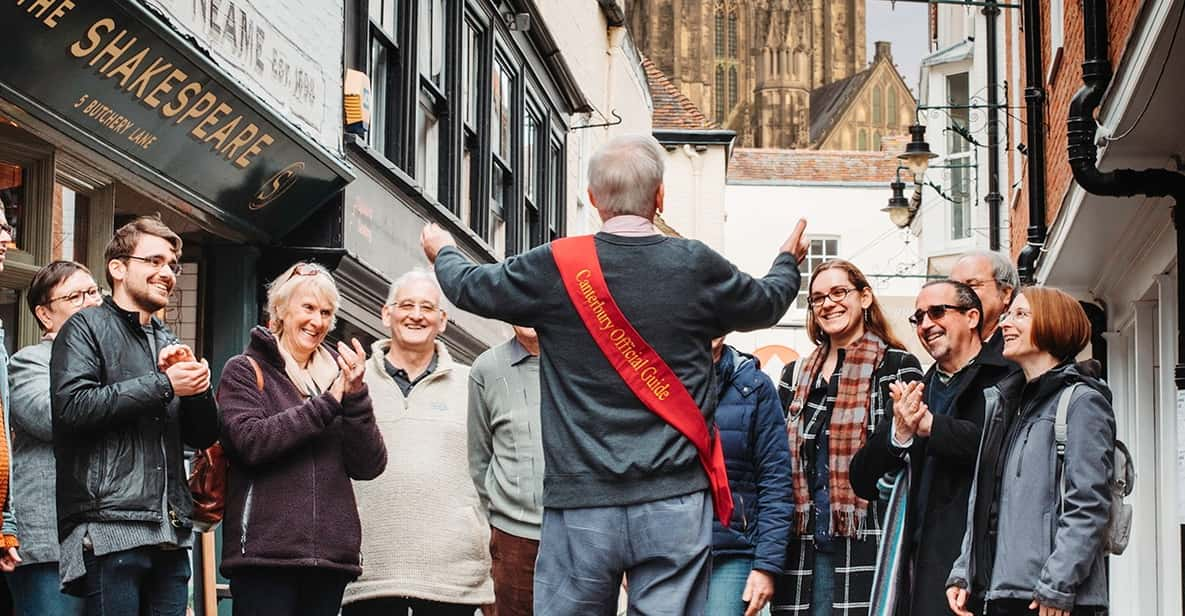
point(423, 533)
point(289, 501)
point(1040, 550)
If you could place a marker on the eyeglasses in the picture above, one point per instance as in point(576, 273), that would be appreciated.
point(77, 298)
point(304, 269)
point(836, 295)
point(426, 309)
point(936, 312)
point(1016, 315)
point(158, 262)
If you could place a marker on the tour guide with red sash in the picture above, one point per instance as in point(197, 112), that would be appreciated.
point(647, 375)
point(624, 484)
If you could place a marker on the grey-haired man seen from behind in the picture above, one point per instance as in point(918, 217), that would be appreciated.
point(623, 492)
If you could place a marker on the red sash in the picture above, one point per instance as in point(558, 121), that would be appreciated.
point(647, 375)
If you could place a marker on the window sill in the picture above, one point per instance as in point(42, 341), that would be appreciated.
point(1055, 63)
point(430, 208)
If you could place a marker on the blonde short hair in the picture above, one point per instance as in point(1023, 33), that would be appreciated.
point(280, 291)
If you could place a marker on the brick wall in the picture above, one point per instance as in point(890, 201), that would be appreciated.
point(1065, 82)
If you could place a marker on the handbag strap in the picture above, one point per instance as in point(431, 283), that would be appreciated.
point(258, 372)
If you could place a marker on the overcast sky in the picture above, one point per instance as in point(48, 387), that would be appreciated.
point(905, 27)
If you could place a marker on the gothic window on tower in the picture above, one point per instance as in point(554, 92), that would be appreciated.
point(892, 114)
point(732, 87)
point(720, 94)
point(726, 57)
point(878, 112)
point(862, 140)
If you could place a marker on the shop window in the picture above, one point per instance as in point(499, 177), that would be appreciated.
point(385, 124)
point(958, 158)
point(181, 315)
point(472, 42)
point(555, 191)
point(12, 194)
point(820, 249)
point(501, 165)
point(531, 232)
point(71, 210)
point(430, 22)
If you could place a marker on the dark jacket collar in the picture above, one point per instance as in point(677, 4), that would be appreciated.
point(131, 317)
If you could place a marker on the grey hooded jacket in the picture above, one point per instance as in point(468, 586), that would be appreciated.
point(33, 471)
point(1039, 550)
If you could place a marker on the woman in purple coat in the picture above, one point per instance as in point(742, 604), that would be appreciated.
point(298, 426)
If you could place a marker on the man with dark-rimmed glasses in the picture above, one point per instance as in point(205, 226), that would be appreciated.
point(936, 425)
point(126, 395)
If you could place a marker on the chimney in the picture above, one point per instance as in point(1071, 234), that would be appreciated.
point(884, 49)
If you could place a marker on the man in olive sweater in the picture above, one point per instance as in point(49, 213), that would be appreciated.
point(623, 491)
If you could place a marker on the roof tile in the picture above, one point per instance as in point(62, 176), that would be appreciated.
point(812, 165)
point(672, 110)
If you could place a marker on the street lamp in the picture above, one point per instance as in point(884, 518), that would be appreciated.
point(898, 209)
point(917, 152)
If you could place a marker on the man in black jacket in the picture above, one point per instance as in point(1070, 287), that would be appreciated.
point(938, 423)
point(126, 394)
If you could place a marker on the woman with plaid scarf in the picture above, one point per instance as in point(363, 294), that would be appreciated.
point(835, 397)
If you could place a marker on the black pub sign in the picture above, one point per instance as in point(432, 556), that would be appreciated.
point(112, 73)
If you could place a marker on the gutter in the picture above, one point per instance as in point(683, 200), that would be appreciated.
point(1080, 132)
point(1026, 262)
point(614, 13)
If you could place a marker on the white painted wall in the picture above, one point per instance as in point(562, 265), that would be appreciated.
point(287, 53)
point(607, 66)
point(759, 217)
point(955, 24)
point(695, 193)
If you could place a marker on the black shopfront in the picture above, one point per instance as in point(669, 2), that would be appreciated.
point(107, 113)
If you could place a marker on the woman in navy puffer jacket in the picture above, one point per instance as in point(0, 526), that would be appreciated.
point(751, 551)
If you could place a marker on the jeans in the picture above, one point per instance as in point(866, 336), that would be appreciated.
point(822, 584)
point(513, 572)
point(398, 606)
point(662, 547)
point(36, 590)
point(148, 581)
point(729, 576)
point(291, 591)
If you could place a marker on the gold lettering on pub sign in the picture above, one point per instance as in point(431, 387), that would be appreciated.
point(116, 53)
point(621, 340)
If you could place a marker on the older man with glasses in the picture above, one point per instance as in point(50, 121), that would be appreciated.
point(993, 278)
point(936, 427)
point(424, 535)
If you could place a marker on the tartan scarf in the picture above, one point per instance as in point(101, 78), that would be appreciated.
point(848, 432)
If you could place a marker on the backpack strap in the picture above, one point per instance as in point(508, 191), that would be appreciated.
point(258, 372)
point(1060, 431)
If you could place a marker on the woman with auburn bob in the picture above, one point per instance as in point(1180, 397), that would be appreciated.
point(1029, 549)
point(298, 426)
point(835, 398)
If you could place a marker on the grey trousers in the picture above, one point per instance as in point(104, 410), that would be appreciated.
point(663, 548)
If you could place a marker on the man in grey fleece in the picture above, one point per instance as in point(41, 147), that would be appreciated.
point(623, 491)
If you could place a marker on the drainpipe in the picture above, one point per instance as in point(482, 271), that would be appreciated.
point(991, 13)
point(1096, 75)
point(1026, 263)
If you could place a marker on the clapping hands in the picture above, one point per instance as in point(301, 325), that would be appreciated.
point(911, 416)
point(351, 360)
point(187, 375)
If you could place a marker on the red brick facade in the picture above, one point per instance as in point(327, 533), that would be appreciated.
point(1065, 82)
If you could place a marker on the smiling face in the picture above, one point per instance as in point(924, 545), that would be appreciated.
point(1017, 329)
point(838, 320)
point(306, 320)
point(144, 284)
point(414, 316)
point(953, 336)
point(78, 287)
point(976, 272)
